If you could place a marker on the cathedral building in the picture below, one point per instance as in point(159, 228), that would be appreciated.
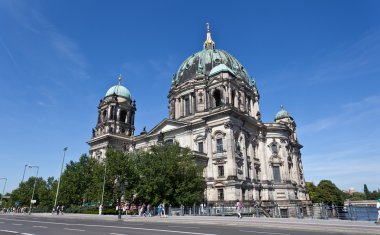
point(214, 111)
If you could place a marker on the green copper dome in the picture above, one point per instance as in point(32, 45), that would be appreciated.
point(282, 114)
point(209, 62)
point(204, 62)
point(119, 90)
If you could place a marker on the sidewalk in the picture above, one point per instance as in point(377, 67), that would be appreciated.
point(332, 225)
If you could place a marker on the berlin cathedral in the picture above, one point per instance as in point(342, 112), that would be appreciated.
point(214, 111)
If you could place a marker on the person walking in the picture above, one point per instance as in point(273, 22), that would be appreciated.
point(239, 206)
point(149, 210)
point(378, 211)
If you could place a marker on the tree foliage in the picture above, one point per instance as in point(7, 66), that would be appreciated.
point(169, 173)
point(121, 175)
point(326, 192)
point(166, 173)
point(81, 182)
point(366, 192)
point(43, 193)
point(312, 189)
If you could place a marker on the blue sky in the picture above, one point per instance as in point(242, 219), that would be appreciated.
point(320, 59)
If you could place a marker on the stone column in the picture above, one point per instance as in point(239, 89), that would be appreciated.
point(261, 153)
point(109, 112)
point(244, 151)
point(194, 106)
point(229, 93)
point(208, 143)
point(256, 106)
point(236, 105)
point(230, 147)
point(118, 114)
point(286, 165)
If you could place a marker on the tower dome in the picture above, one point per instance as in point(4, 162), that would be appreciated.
point(119, 90)
point(282, 114)
point(209, 62)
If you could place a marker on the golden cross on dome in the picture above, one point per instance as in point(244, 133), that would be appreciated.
point(119, 78)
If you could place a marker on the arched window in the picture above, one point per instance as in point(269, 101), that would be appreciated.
point(112, 117)
point(217, 98)
point(123, 115)
point(233, 98)
point(104, 115)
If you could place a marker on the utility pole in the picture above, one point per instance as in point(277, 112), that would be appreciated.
point(59, 180)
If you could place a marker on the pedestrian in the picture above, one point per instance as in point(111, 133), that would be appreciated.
point(100, 209)
point(378, 211)
point(57, 210)
point(62, 208)
point(160, 210)
point(239, 206)
point(149, 209)
point(163, 215)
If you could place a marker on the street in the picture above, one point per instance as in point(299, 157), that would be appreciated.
point(57, 225)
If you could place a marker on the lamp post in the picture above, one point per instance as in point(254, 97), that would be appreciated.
point(104, 183)
point(34, 187)
point(59, 180)
point(2, 195)
point(23, 175)
point(121, 187)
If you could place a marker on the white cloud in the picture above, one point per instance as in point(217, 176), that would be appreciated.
point(9, 53)
point(348, 113)
point(28, 17)
point(350, 61)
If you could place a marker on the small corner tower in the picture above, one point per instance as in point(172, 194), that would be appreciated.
point(115, 125)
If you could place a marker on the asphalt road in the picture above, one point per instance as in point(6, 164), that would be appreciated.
point(59, 225)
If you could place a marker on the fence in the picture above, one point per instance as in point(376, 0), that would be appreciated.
point(315, 211)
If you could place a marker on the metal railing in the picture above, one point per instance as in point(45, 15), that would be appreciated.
point(315, 211)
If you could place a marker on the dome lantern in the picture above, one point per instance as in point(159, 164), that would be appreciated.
point(209, 43)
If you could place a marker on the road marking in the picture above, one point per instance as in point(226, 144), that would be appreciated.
point(37, 226)
point(17, 224)
point(117, 234)
point(252, 231)
point(27, 233)
point(173, 226)
point(8, 231)
point(73, 229)
point(108, 226)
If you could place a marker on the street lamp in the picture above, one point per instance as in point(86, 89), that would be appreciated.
point(121, 187)
point(23, 175)
point(34, 187)
point(2, 195)
point(104, 183)
point(59, 180)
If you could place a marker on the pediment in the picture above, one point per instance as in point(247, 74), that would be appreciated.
point(166, 125)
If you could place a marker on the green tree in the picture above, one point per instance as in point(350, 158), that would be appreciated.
point(366, 192)
point(81, 182)
point(328, 193)
point(121, 176)
point(169, 173)
point(42, 193)
point(312, 189)
point(357, 196)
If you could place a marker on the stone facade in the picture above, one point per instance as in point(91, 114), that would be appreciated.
point(214, 111)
